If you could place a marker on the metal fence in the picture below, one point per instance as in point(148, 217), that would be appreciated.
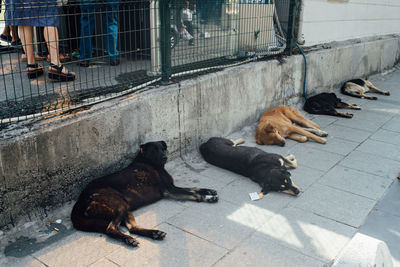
point(110, 47)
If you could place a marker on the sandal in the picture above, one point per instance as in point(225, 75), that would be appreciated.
point(58, 75)
point(38, 71)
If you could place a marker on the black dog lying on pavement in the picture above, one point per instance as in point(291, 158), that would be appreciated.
point(326, 104)
point(105, 203)
point(267, 169)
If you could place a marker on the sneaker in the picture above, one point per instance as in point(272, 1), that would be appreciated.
point(6, 38)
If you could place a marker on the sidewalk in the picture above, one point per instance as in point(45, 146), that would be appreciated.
point(348, 186)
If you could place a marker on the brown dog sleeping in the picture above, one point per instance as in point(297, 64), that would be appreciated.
point(282, 122)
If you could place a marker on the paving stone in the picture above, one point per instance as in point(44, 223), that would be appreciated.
point(308, 233)
point(390, 203)
point(386, 136)
point(179, 248)
point(104, 263)
point(257, 251)
point(78, 249)
point(316, 159)
point(393, 124)
point(367, 121)
point(381, 149)
point(371, 163)
point(27, 261)
point(224, 224)
point(347, 133)
point(335, 204)
point(304, 176)
point(152, 215)
point(323, 120)
point(384, 226)
point(335, 145)
point(357, 182)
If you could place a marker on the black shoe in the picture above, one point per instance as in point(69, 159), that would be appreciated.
point(16, 44)
point(58, 75)
point(84, 63)
point(38, 71)
point(6, 38)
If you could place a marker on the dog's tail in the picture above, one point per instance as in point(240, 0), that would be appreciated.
point(290, 161)
point(84, 223)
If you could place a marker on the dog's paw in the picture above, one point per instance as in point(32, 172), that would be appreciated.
point(130, 241)
point(323, 133)
point(349, 115)
point(374, 98)
point(211, 199)
point(323, 141)
point(387, 93)
point(158, 235)
point(205, 191)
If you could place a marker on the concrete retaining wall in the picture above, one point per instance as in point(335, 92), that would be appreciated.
point(46, 162)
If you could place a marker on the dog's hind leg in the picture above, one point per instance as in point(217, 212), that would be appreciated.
point(375, 89)
point(132, 226)
point(237, 142)
point(297, 118)
point(114, 232)
point(194, 194)
point(290, 161)
point(345, 105)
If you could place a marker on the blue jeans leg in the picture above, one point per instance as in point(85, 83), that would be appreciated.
point(110, 26)
point(88, 7)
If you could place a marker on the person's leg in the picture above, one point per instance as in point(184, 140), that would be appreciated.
point(88, 8)
point(51, 36)
point(26, 35)
point(110, 26)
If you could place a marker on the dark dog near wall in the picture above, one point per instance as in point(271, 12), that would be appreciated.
point(105, 203)
point(267, 169)
point(326, 104)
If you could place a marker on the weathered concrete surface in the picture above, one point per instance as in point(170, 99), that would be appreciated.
point(46, 162)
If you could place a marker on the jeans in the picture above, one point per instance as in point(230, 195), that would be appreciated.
point(109, 13)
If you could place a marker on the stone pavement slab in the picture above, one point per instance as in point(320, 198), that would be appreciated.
point(180, 248)
point(338, 205)
point(256, 251)
point(371, 163)
point(306, 232)
point(356, 182)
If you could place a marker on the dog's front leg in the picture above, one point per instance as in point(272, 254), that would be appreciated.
point(316, 131)
point(194, 194)
point(301, 131)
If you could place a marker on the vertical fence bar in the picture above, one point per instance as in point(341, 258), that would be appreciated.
point(165, 46)
point(290, 39)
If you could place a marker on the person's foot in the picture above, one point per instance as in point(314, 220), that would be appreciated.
point(16, 44)
point(60, 73)
point(6, 38)
point(84, 63)
point(34, 71)
point(37, 58)
point(115, 62)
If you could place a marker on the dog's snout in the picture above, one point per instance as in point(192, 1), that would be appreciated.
point(282, 143)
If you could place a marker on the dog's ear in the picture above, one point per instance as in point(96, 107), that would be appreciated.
point(366, 78)
point(163, 144)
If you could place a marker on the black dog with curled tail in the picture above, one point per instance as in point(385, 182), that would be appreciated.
point(106, 202)
point(267, 169)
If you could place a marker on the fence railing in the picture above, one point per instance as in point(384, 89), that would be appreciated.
point(108, 48)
